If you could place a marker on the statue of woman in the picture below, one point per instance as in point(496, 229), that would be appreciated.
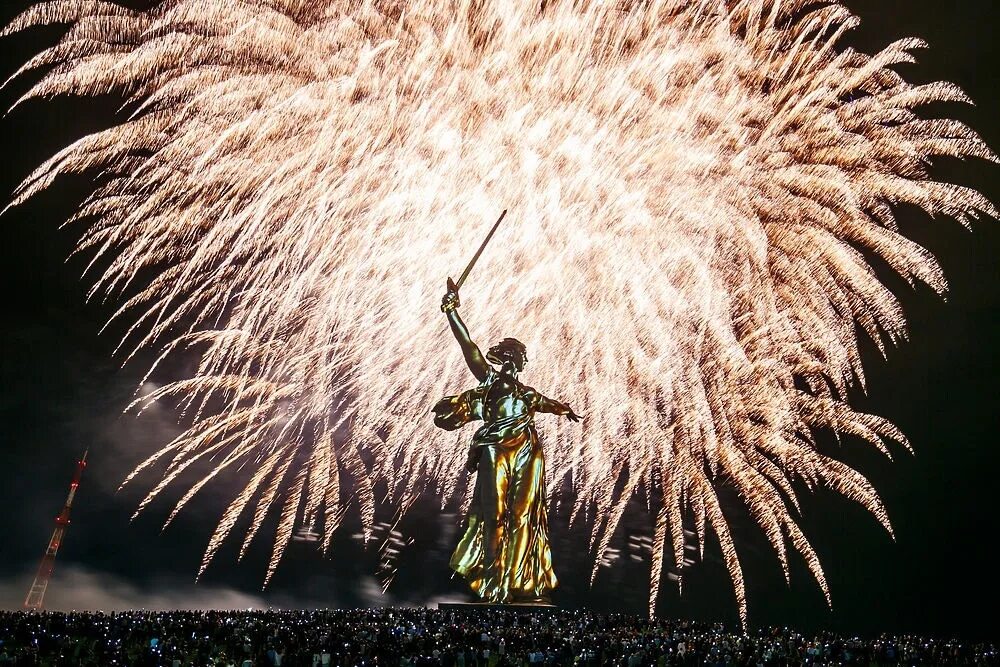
point(504, 554)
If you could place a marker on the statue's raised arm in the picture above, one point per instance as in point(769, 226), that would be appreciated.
point(473, 356)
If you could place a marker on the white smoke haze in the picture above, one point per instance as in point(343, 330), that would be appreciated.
point(125, 439)
point(74, 587)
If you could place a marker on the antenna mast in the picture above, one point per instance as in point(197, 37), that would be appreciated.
point(37, 591)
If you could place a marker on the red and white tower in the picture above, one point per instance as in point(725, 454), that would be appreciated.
point(37, 591)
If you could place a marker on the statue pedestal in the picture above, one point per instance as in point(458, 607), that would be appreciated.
point(473, 607)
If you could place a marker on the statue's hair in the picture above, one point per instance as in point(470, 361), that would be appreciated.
point(509, 349)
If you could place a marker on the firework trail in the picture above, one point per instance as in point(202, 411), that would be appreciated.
point(695, 190)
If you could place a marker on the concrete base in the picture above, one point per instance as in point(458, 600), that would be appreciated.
point(489, 606)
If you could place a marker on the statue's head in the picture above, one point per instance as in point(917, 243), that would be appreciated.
point(508, 351)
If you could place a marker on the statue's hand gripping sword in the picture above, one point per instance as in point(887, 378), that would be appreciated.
point(453, 287)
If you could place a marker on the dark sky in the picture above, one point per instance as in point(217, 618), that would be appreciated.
point(61, 391)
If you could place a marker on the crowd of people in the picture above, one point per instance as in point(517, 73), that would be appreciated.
point(416, 637)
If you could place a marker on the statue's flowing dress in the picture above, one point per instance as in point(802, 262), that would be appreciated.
point(504, 553)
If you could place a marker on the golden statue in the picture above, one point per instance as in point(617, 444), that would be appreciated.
point(504, 553)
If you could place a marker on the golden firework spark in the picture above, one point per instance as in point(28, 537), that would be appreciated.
point(693, 187)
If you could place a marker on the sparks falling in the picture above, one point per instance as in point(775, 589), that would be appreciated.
point(694, 188)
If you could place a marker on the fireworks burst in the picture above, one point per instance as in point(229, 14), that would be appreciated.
point(695, 188)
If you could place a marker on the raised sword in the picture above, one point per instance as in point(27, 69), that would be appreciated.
point(453, 286)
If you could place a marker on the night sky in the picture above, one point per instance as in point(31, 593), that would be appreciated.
point(62, 390)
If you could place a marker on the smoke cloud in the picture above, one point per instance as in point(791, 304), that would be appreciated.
point(74, 587)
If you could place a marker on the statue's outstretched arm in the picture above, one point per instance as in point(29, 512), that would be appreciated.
point(473, 357)
point(554, 407)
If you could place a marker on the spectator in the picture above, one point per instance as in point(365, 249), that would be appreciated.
point(479, 638)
